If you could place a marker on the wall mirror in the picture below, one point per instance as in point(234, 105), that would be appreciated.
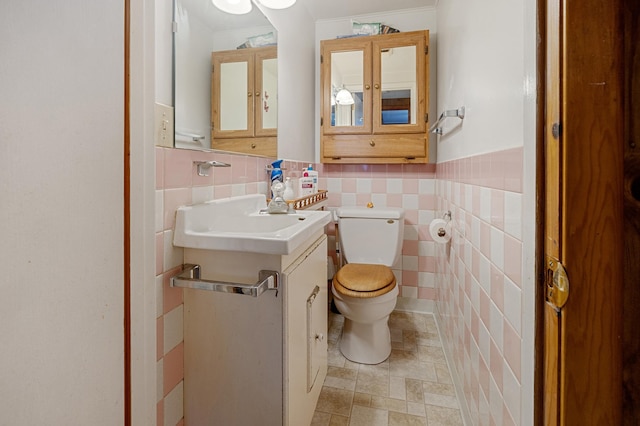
point(200, 30)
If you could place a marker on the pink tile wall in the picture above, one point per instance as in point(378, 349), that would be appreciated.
point(177, 184)
point(479, 278)
point(410, 186)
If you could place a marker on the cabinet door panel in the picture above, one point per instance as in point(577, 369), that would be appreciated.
point(399, 99)
point(305, 326)
point(346, 82)
point(232, 89)
point(266, 93)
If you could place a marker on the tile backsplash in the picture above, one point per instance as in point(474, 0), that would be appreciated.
point(479, 281)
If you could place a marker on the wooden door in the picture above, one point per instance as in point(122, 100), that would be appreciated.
point(631, 335)
point(583, 228)
point(553, 210)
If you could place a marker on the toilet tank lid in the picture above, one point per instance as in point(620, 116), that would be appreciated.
point(373, 213)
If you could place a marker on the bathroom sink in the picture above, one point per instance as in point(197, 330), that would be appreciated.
point(241, 224)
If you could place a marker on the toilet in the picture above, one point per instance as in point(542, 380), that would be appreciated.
point(364, 289)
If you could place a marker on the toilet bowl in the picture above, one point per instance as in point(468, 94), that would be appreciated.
point(365, 335)
point(365, 289)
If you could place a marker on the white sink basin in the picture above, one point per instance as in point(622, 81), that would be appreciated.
point(236, 224)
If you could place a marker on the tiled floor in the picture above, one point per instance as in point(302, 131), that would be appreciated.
point(412, 387)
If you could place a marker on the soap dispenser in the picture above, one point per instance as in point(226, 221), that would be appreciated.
point(288, 189)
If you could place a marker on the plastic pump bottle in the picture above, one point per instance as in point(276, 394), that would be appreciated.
point(309, 172)
point(288, 189)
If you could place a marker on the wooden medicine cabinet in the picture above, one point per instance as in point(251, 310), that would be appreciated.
point(374, 103)
point(244, 101)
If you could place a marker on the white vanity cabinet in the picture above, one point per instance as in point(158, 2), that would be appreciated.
point(256, 360)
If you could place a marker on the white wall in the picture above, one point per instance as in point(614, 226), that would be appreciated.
point(403, 20)
point(61, 221)
point(163, 51)
point(486, 66)
point(487, 63)
point(142, 214)
point(296, 101)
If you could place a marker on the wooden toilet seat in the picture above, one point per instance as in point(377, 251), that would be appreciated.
point(364, 280)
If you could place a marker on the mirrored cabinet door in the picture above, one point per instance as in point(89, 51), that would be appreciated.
point(400, 92)
point(232, 92)
point(346, 80)
point(266, 93)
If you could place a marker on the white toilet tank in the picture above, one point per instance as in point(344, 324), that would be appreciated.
point(371, 235)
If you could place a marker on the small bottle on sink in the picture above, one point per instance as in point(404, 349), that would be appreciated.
point(288, 190)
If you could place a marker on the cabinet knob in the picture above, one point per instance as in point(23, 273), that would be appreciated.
point(366, 86)
point(377, 86)
point(253, 146)
point(372, 143)
point(249, 94)
point(257, 94)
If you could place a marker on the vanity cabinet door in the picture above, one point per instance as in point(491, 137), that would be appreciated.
point(305, 325)
point(384, 111)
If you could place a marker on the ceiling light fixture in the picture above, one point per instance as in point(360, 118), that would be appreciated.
point(277, 4)
point(344, 97)
point(235, 7)
point(240, 7)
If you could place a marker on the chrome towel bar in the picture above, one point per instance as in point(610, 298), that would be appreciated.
point(457, 113)
point(192, 136)
point(189, 277)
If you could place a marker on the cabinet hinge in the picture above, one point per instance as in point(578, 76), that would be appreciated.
point(174, 26)
point(212, 126)
point(321, 121)
point(426, 118)
point(426, 50)
point(321, 59)
point(556, 282)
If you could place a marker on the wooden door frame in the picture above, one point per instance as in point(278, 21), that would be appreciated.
point(127, 420)
point(591, 232)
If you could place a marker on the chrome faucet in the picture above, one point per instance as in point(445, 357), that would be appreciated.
point(278, 204)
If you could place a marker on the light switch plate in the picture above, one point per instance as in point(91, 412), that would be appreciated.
point(163, 125)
